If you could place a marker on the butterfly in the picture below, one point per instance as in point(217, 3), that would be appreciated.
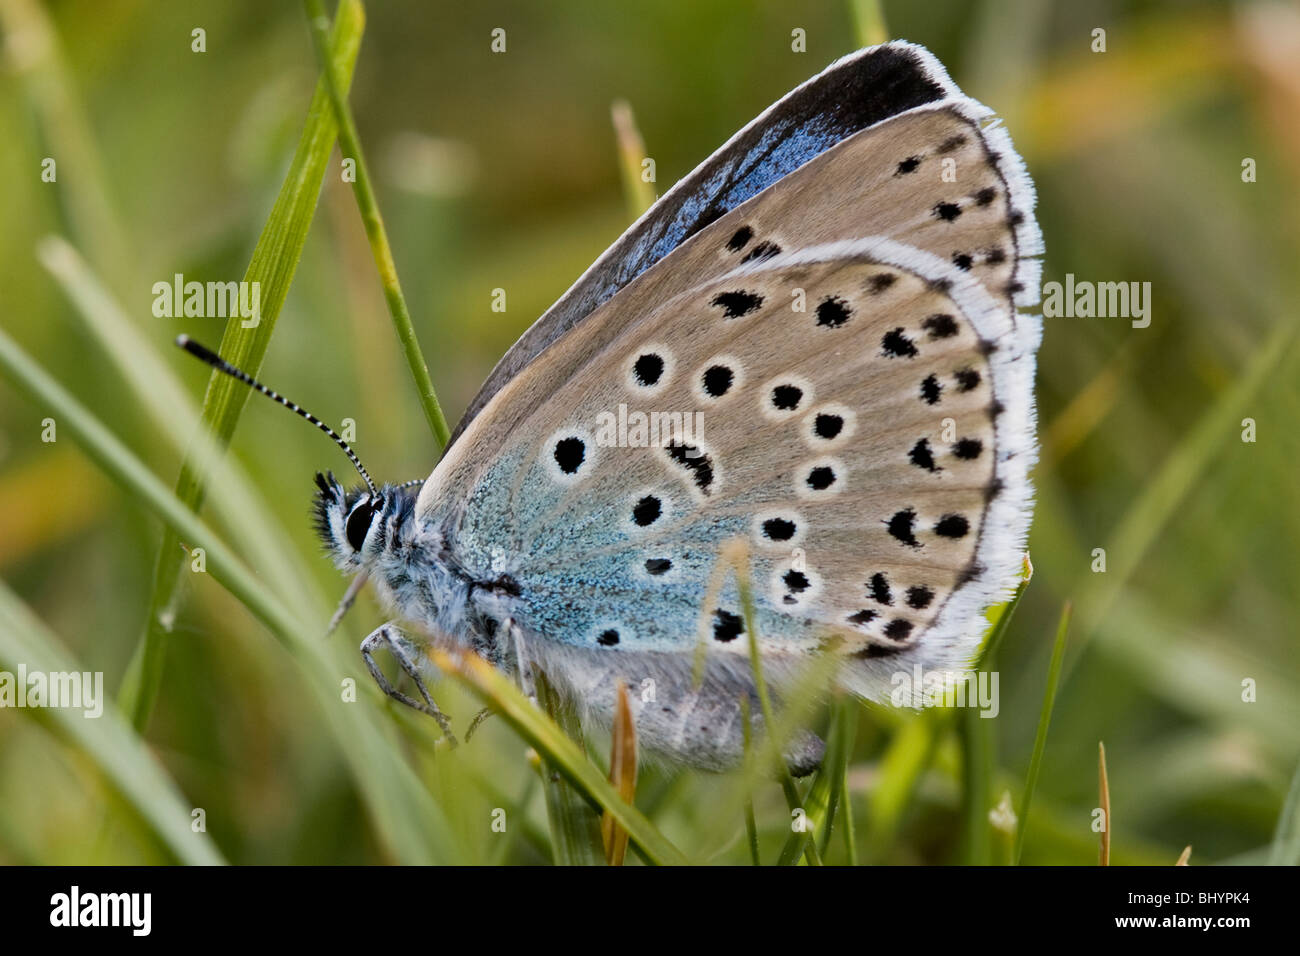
point(816, 343)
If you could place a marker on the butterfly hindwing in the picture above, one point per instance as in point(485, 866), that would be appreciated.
point(847, 414)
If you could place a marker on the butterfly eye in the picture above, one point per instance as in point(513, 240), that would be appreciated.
point(359, 523)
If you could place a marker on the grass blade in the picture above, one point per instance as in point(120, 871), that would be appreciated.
point(274, 261)
point(1103, 785)
point(350, 143)
point(622, 774)
point(108, 740)
point(976, 733)
point(736, 555)
point(412, 829)
point(820, 803)
point(551, 741)
point(159, 391)
point(575, 827)
point(868, 22)
point(639, 194)
point(1000, 617)
point(1285, 850)
point(1044, 721)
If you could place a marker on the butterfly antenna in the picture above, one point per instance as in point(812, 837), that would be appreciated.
point(221, 365)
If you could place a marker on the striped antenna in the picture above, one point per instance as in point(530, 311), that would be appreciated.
point(221, 365)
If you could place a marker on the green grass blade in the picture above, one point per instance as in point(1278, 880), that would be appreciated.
point(575, 828)
point(1285, 850)
point(977, 740)
point(350, 144)
point(554, 745)
point(637, 193)
point(108, 740)
point(155, 385)
point(976, 734)
point(819, 804)
point(751, 825)
point(868, 22)
point(843, 730)
point(412, 829)
point(63, 129)
point(904, 761)
point(740, 563)
point(274, 261)
point(1000, 618)
point(849, 718)
point(1044, 721)
point(1167, 489)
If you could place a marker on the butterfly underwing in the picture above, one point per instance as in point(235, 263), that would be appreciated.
point(813, 343)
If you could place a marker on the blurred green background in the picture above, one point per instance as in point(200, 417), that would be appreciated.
point(502, 171)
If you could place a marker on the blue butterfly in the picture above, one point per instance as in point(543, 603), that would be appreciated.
point(813, 345)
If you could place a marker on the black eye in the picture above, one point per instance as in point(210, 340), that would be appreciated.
point(359, 524)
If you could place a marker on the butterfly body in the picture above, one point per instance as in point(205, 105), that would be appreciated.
point(812, 345)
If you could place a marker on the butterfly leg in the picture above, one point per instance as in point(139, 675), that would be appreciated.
point(349, 598)
point(481, 716)
point(388, 636)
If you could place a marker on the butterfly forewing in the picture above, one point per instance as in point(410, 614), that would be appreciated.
point(881, 143)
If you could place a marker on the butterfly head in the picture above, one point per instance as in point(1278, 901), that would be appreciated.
point(357, 525)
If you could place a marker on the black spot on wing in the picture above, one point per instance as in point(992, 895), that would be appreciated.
point(919, 597)
point(952, 526)
point(779, 529)
point(727, 626)
point(764, 250)
point(718, 380)
point(648, 369)
point(947, 211)
point(897, 345)
point(898, 629)
point(940, 326)
point(737, 304)
point(739, 238)
point(694, 462)
point(827, 425)
point(647, 511)
point(570, 454)
point(902, 525)
point(833, 312)
point(881, 281)
point(820, 478)
point(922, 456)
point(951, 144)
